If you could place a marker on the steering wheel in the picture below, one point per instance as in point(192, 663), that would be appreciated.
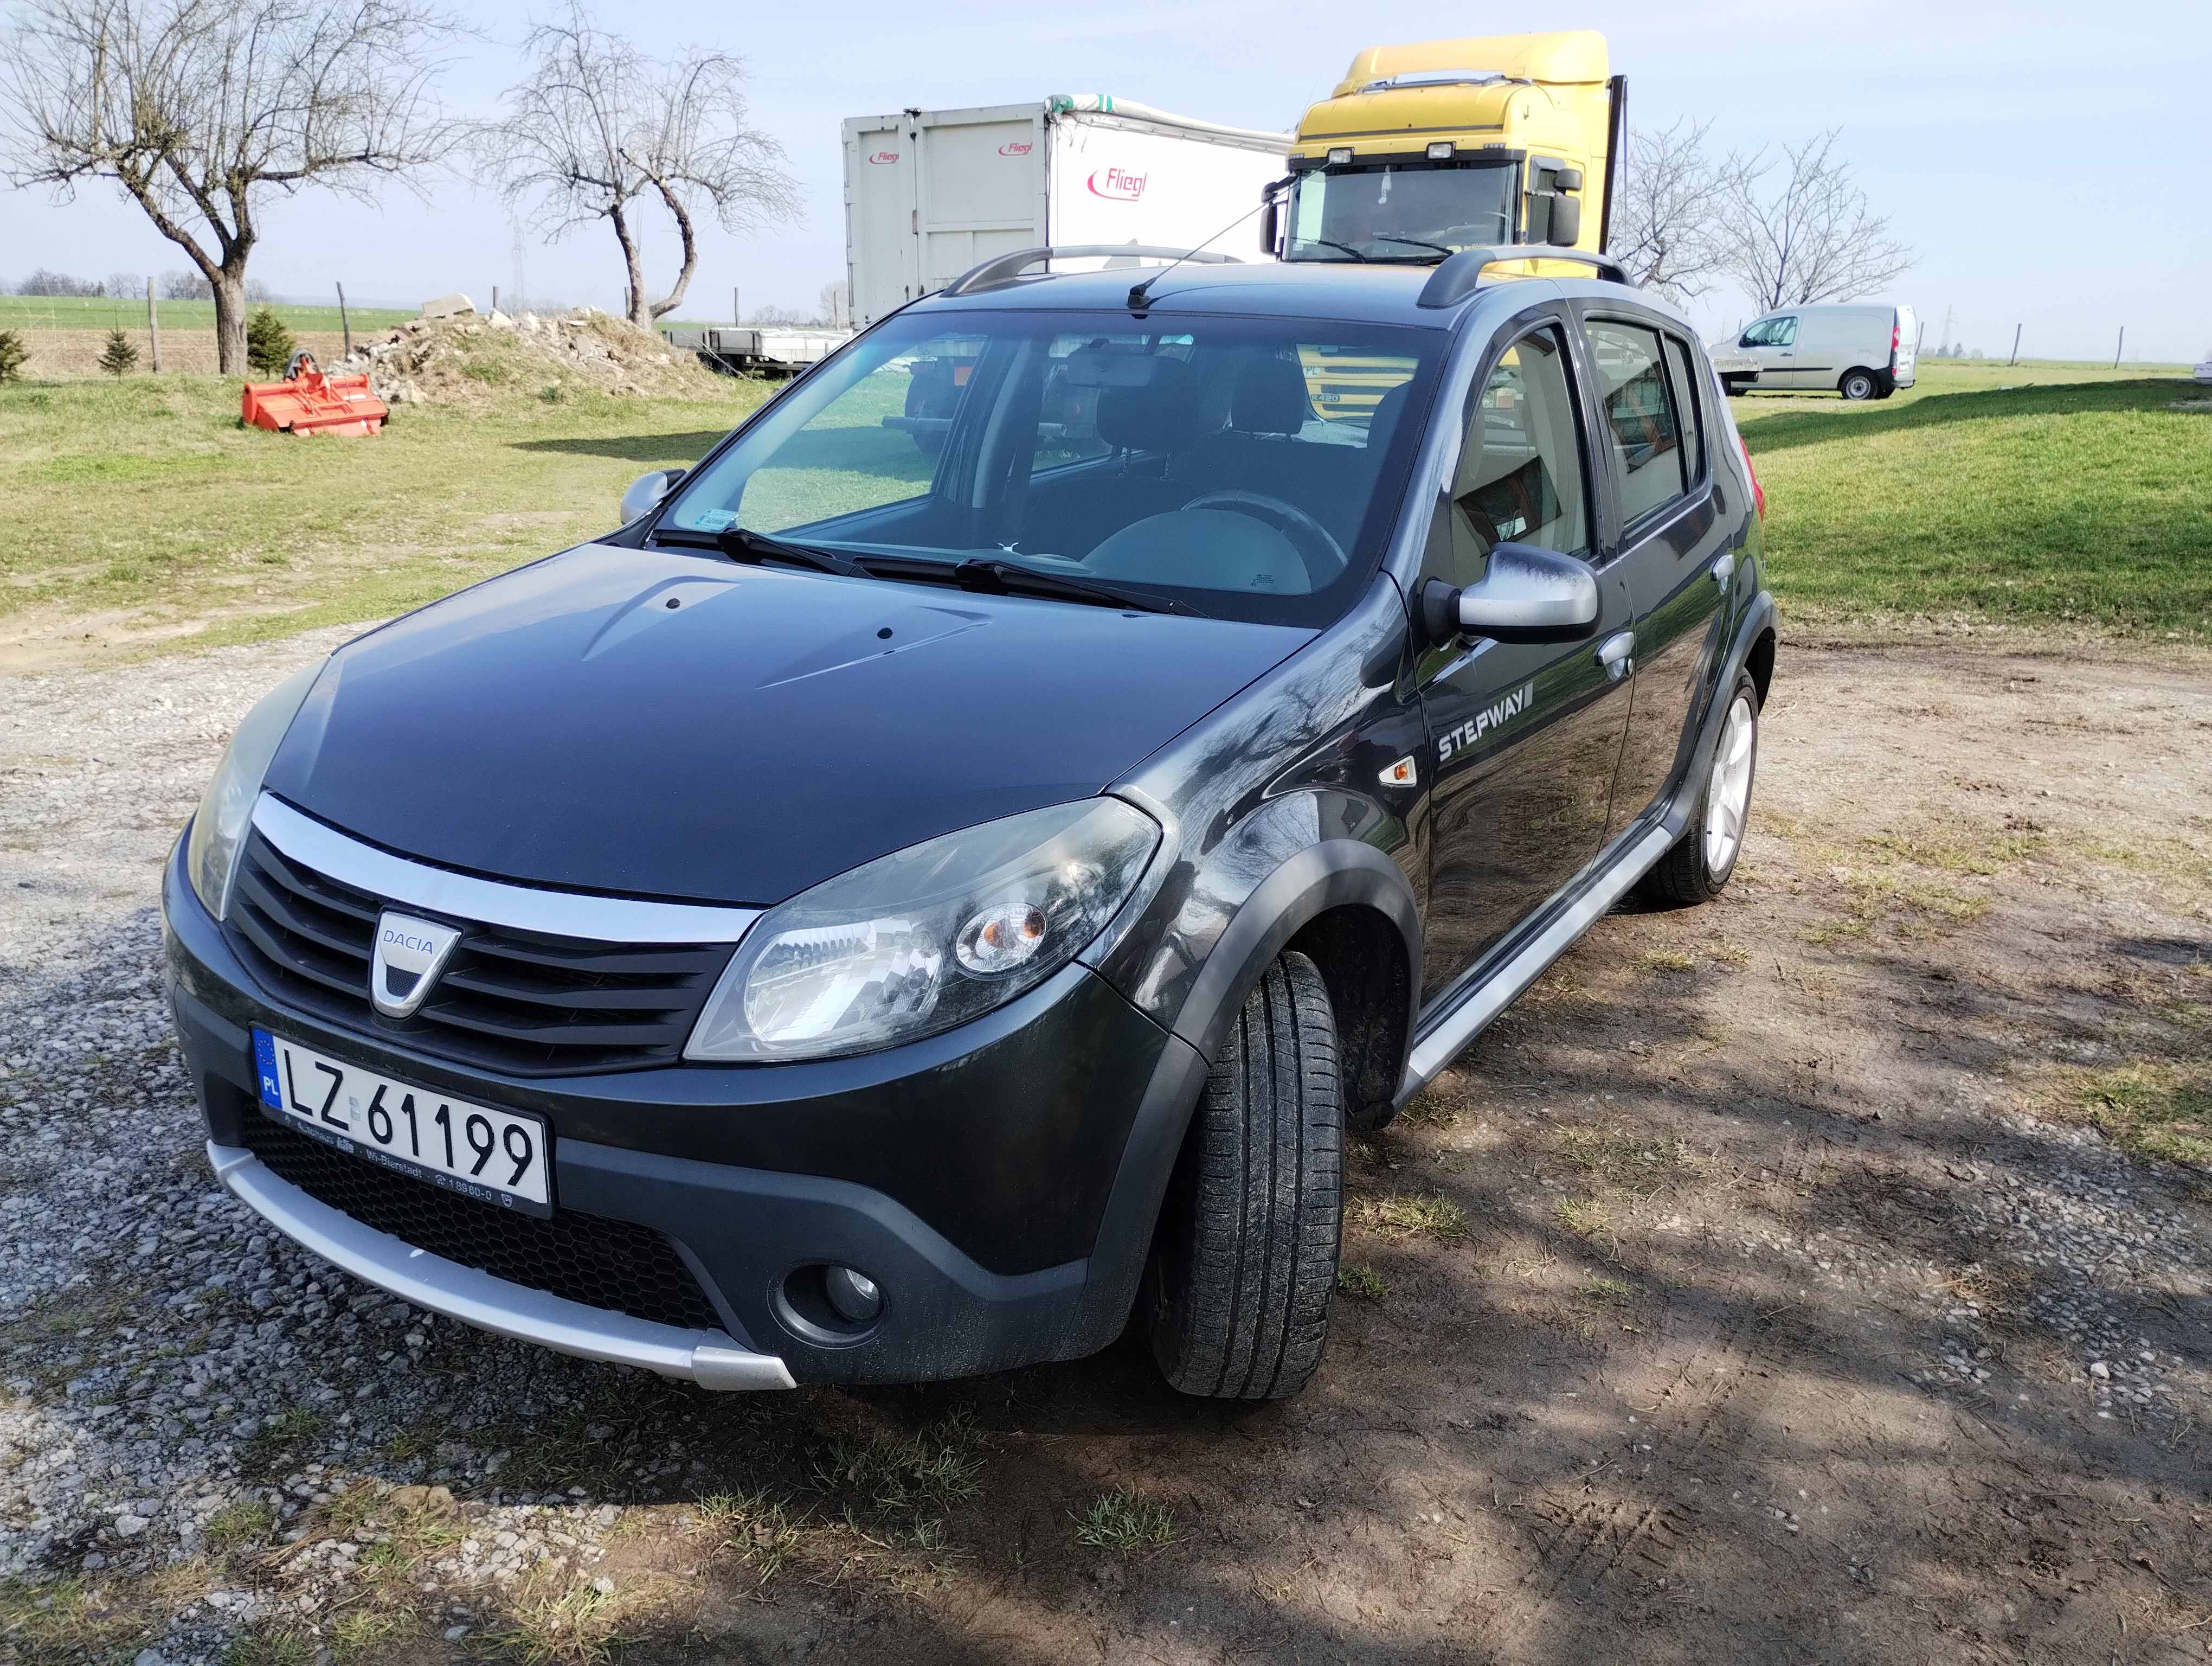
point(1323, 557)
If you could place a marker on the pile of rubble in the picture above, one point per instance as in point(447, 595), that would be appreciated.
point(453, 355)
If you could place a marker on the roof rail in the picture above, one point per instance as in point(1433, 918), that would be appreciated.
point(1457, 276)
point(1006, 268)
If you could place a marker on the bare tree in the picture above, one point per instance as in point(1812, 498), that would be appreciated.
point(1667, 228)
point(1813, 236)
point(202, 110)
point(597, 131)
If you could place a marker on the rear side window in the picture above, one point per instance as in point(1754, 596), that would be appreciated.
point(1520, 474)
point(1640, 420)
point(1682, 370)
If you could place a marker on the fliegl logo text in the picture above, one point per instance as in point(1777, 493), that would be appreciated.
point(1117, 186)
point(1016, 150)
point(1489, 718)
point(883, 158)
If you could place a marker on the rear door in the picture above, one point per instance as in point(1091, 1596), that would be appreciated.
point(1523, 738)
point(1656, 438)
point(881, 246)
point(980, 188)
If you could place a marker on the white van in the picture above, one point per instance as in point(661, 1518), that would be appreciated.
point(1862, 351)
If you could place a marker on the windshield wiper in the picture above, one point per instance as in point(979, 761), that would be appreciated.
point(742, 543)
point(1010, 578)
point(1331, 243)
point(1417, 242)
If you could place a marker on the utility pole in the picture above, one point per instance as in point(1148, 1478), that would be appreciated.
point(345, 324)
point(1944, 341)
point(2016, 329)
point(495, 297)
point(2120, 345)
point(737, 314)
point(153, 324)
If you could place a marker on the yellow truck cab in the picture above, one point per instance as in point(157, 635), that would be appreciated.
point(1426, 149)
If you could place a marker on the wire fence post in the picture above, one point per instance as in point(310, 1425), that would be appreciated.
point(2016, 329)
point(345, 325)
point(154, 326)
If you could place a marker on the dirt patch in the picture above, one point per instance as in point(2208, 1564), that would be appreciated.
point(1765, 1287)
point(473, 361)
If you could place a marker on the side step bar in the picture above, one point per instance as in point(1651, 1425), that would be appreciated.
point(1449, 1036)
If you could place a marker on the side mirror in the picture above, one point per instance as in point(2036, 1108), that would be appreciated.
point(1566, 221)
point(647, 490)
point(1529, 595)
point(1271, 225)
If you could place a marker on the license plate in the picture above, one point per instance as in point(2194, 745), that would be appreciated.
point(500, 1157)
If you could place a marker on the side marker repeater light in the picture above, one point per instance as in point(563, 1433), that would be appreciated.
point(1403, 773)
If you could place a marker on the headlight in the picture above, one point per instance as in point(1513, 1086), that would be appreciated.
point(928, 938)
point(219, 827)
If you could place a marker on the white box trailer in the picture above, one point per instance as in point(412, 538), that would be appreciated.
point(929, 194)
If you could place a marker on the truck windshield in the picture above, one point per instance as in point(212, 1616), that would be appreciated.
point(1397, 212)
point(1243, 468)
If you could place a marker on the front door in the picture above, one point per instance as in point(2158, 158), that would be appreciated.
point(1654, 429)
point(1773, 343)
point(1524, 738)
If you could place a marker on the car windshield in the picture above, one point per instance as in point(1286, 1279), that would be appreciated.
point(1400, 213)
point(1239, 467)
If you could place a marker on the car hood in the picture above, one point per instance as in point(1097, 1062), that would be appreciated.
point(649, 722)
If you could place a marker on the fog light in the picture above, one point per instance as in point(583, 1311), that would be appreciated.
point(855, 1295)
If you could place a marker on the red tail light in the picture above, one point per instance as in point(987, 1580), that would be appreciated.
point(1894, 338)
point(1757, 491)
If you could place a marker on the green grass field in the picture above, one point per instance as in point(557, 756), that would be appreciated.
point(127, 313)
point(144, 507)
point(142, 511)
point(2068, 496)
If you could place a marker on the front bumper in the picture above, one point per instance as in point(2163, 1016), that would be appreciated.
point(958, 1173)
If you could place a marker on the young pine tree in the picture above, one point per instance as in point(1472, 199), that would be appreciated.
point(268, 343)
point(118, 358)
point(12, 355)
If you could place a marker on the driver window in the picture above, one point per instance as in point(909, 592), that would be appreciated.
point(1521, 470)
point(1781, 332)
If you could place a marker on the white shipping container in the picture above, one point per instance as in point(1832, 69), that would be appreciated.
point(929, 194)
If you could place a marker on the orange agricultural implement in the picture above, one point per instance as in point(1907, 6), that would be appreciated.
point(309, 402)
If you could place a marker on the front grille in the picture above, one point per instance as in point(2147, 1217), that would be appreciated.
point(515, 1001)
point(591, 1259)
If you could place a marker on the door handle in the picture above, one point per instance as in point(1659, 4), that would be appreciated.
point(1724, 568)
point(1617, 653)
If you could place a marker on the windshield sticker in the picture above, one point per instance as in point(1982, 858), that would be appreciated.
point(714, 520)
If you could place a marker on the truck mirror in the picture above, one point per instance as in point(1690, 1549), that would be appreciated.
point(1271, 225)
point(1566, 221)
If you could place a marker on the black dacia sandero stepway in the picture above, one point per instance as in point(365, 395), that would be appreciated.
point(947, 876)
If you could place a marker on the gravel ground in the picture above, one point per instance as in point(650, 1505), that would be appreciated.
point(206, 1436)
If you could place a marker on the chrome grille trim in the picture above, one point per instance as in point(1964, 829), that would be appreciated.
point(460, 895)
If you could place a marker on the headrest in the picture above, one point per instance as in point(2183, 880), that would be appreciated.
point(1389, 412)
point(1161, 416)
point(1270, 398)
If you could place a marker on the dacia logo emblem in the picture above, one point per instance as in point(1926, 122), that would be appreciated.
point(410, 954)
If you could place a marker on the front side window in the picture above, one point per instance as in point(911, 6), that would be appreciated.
point(1520, 475)
point(1640, 422)
point(1771, 332)
point(1389, 212)
point(1249, 467)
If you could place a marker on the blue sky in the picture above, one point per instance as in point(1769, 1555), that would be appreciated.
point(2013, 144)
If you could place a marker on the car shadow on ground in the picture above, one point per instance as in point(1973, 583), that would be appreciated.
point(668, 450)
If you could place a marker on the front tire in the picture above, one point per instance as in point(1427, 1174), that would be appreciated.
point(1698, 864)
point(1244, 1263)
point(1860, 384)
